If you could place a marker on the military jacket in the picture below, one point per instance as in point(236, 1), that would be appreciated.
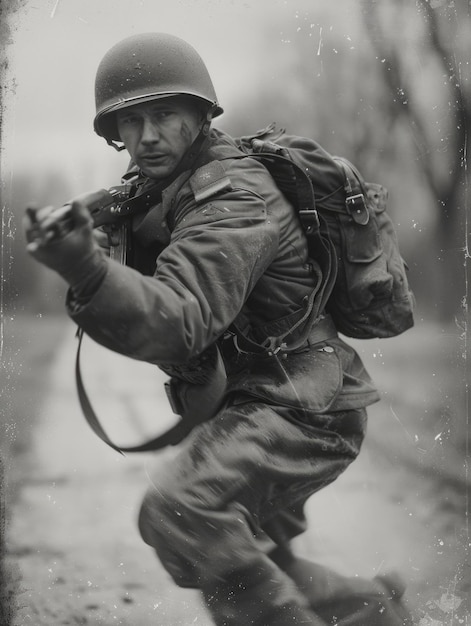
point(223, 242)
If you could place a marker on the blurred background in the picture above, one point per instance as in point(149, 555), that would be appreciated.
point(385, 83)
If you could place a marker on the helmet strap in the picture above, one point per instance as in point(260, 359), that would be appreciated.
point(207, 122)
point(205, 128)
point(195, 148)
point(114, 145)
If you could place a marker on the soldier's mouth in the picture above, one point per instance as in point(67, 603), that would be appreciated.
point(153, 158)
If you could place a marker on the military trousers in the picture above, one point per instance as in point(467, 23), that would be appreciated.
point(233, 499)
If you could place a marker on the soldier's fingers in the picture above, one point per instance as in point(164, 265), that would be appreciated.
point(101, 238)
point(80, 214)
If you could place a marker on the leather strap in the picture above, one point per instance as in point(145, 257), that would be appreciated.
point(323, 330)
point(173, 436)
point(355, 192)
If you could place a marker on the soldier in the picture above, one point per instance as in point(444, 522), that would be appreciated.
point(219, 268)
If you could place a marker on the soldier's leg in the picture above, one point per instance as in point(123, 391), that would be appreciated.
point(369, 601)
point(203, 517)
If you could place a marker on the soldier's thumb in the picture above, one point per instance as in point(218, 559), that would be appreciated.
point(80, 214)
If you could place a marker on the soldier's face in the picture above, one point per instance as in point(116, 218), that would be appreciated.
point(157, 134)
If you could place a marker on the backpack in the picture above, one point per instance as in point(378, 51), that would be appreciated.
point(369, 294)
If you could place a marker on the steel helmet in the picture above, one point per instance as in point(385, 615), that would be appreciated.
point(146, 67)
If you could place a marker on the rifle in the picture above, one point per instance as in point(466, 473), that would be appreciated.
point(109, 210)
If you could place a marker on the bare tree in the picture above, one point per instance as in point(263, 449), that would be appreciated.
point(424, 46)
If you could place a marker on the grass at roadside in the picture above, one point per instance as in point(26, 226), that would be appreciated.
point(29, 343)
point(27, 348)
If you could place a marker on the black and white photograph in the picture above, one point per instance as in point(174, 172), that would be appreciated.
point(234, 327)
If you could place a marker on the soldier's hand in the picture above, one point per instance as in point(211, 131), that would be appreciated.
point(102, 239)
point(70, 251)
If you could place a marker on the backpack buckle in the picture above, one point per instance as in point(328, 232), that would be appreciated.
point(310, 220)
point(357, 208)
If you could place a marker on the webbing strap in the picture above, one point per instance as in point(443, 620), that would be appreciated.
point(299, 190)
point(173, 436)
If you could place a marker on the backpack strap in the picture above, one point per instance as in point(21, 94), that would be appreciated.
point(299, 190)
point(296, 185)
point(355, 191)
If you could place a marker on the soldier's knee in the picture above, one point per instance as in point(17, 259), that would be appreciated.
point(159, 528)
point(160, 519)
point(148, 519)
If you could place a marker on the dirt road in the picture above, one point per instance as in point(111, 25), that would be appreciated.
point(72, 541)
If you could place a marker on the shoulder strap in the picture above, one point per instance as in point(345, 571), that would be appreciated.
point(355, 201)
point(296, 184)
point(303, 197)
point(173, 436)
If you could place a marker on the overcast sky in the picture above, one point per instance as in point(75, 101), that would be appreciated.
point(56, 45)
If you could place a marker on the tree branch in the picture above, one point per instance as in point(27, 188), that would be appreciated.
point(399, 86)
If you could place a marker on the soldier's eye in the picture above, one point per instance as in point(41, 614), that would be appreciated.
point(128, 119)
